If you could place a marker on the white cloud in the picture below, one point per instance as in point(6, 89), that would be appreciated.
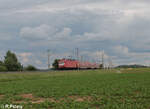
point(24, 57)
point(121, 50)
point(37, 33)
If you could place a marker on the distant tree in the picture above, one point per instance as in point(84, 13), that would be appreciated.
point(55, 63)
point(1, 63)
point(11, 62)
point(30, 68)
point(131, 66)
point(2, 67)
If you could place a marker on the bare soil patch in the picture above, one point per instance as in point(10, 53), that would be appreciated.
point(33, 99)
point(81, 98)
point(52, 100)
point(37, 100)
point(1, 96)
point(29, 96)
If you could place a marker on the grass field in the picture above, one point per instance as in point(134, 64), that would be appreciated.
point(97, 89)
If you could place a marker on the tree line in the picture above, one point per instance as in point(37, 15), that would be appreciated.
point(11, 63)
point(132, 66)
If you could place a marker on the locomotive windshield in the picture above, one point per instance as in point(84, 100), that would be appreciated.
point(61, 63)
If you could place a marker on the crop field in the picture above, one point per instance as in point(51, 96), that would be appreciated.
point(87, 89)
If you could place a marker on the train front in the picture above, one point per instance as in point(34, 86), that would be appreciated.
point(61, 64)
point(67, 64)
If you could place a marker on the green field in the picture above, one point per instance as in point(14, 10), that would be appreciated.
point(91, 89)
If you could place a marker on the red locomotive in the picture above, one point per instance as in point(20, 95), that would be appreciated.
point(75, 64)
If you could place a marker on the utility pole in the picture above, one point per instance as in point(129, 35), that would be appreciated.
point(48, 54)
point(103, 59)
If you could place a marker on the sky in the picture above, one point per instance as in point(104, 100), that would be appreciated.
point(120, 28)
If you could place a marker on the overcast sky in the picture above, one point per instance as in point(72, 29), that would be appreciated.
point(119, 27)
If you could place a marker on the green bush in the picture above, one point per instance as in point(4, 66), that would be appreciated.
point(3, 69)
point(30, 68)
